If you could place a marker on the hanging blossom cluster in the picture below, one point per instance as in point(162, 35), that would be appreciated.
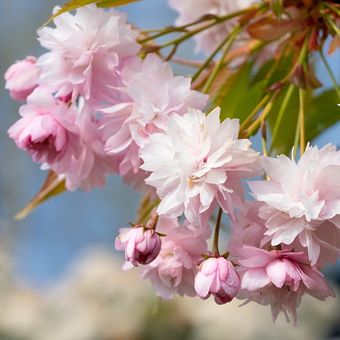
point(96, 106)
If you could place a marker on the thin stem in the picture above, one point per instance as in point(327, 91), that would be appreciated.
point(187, 62)
point(148, 209)
point(264, 147)
point(210, 58)
point(228, 44)
point(257, 123)
point(153, 224)
point(332, 25)
point(217, 233)
point(333, 8)
point(264, 139)
point(302, 96)
point(304, 51)
point(216, 20)
point(258, 107)
point(187, 36)
point(281, 113)
point(297, 137)
point(330, 72)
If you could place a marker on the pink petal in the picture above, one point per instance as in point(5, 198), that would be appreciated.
point(276, 272)
point(254, 279)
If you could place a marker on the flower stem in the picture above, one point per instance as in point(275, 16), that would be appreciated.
point(263, 116)
point(333, 25)
point(216, 20)
point(281, 113)
point(302, 96)
point(330, 72)
point(217, 233)
point(333, 8)
point(258, 107)
point(264, 139)
point(227, 46)
point(145, 214)
point(297, 137)
point(209, 60)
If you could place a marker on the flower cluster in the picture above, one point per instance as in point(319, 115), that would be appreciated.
point(97, 106)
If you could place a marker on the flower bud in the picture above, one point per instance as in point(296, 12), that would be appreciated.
point(217, 276)
point(46, 130)
point(21, 78)
point(141, 245)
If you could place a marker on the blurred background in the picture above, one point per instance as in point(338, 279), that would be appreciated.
point(59, 275)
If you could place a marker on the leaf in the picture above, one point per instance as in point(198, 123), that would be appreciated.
point(322, 113)
point(231, 91)
point(236, 97)
point(274, 70)
point(74, 4)
point(70, 6)
point(114, 3)
point(53, 185)
point(277, 7)
point(284, 140)
point(269, 28)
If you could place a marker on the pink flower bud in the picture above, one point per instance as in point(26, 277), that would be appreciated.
point(47, 130)
point(21, 78)
point(217, 276)
point(141, 245)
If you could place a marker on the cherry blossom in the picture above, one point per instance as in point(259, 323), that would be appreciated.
point(173, 271)
point(302, 201)
point(21, 78)
point(141, 245)
point(90, 169)
point(154, 94)
point(279, 278)
point(197, 163)
point(87, 52)
point(47, 130)
point(217, 276)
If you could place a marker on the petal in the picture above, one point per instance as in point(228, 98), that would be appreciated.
point(254, 279)
point(276, 272)
point(203, 284)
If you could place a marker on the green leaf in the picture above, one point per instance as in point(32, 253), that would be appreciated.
point(284, 140)
point(52, 186)
point(70, 6)
point(277, 7)
point(273, 71)
point(321, 113)
point(114, 3)
point(237, 97)
point(74, 4)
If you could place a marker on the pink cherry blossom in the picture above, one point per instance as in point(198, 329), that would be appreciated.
point(90, 169)
point(47, 130)
point(141, 245)
point(197, 163)
point(154, 95)
point(87, 52)
point(302, 202)
point(267, 275)
point(21, 78)
point(217, 276)
point(192, 10)
point(174, 269)
point(249, 228)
